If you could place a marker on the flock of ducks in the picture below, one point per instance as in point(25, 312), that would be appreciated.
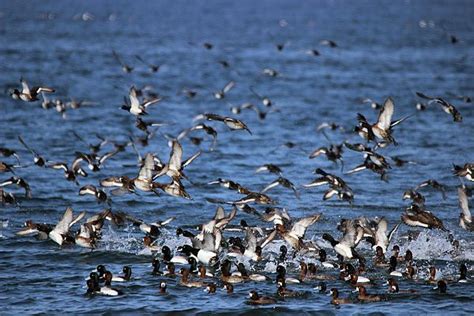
point(214, 253)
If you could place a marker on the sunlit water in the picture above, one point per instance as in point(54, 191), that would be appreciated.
point(384, 49)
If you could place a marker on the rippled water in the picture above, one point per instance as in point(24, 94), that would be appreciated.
point(384, 49)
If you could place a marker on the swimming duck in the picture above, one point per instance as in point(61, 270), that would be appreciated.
point(208, 257)
point(281, 274)
point(211, 288)
point(379, 259)
point(229, 288)
point(226, 276)
point(433, 275)
point(393, 266)
point(393, 287)
point(336, 300)
point(163, 287)
point(127, 275)
point(363, 296)
point(246, 276)
point(168, 257)
point(441, 286)
point(324, 262)
point(107, 289)
point(185, 279)
point(156, 267)
point(463, 273)
point(256, 299)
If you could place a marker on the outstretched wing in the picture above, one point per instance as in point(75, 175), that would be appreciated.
point(385, 116)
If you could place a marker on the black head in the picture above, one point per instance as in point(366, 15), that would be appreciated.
point(350, 269)
point(91, 286)
point(229, 287)
point(179, 231)
point(281, 271)
point(322, 255)
point(94, 277)
point(243, 223)
point(15, 94)
point(128, 271)
point(442, 286)
point(156, 264)
point(166, 251)
point(254, 295)
point(330, 239)
point(408, 255)
point(258, 251)
point(211, 288)
point(283, 251)
point(171, 268)
point(322, 287)
point(225, 267)
point(101, 269)
point(393, 263)
point(463, 270)
point(193, 264)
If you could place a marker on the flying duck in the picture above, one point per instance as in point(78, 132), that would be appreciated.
point(27, 94)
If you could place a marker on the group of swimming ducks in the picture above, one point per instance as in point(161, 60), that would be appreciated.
point(314, 275)
point(211, 260)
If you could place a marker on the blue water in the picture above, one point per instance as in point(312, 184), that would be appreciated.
point(385, 48)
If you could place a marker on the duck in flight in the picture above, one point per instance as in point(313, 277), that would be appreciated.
point(28, 94)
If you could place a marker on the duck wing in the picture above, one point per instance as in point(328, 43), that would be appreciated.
point(385, 115)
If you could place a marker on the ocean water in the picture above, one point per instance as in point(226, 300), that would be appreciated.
point(384, 48)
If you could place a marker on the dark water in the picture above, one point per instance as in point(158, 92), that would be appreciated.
point(384, 49)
